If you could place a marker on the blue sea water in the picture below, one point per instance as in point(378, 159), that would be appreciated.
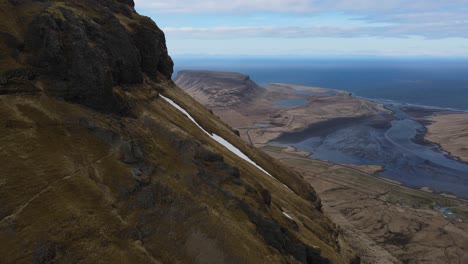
point(431, 82)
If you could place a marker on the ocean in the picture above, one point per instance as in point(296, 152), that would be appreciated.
point(430, 82)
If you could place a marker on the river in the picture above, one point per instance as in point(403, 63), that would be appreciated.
point(392, 143)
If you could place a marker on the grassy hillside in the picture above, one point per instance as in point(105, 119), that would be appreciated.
point(76, 181)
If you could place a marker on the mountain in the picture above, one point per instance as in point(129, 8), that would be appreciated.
point(218, 89)
point(105, 160)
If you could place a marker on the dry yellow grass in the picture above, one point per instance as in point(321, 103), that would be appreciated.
point(66, 194)
point(450, 131)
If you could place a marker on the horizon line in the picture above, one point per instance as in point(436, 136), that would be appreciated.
point(304, 57)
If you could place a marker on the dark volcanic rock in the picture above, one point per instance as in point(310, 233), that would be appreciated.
point(84, 52)
point(127, 2)
point(46, 252)
point(208, 156)
point(281, 239)
point(131, 152)
point(266, 197)
point(20, 2)
point(151, 43)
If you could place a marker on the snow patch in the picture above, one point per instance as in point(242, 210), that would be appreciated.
point(288, 216)
point(219, 139)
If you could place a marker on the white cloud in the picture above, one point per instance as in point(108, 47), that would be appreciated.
point(433, 30)
point(299, 6)
point(426, 18)
point(224, 6)
point(437, 25)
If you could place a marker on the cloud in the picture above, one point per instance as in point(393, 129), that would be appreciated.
point(433, 30)
point(388, 18)
point(299, 6)
point(223, 6)
point(262, 31)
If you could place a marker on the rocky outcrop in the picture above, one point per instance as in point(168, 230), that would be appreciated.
point(127, 2)
point(83, 54)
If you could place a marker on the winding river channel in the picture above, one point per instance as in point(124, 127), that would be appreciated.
point(392, 143)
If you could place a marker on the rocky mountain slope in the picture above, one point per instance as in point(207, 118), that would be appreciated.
point(100, 165)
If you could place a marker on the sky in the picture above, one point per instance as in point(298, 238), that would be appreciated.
point(315, 28)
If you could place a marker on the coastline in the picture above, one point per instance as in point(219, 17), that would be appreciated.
point(426, 119)
point(459, 145)
point(423, 189)
point(424, 113)
point(260, 120)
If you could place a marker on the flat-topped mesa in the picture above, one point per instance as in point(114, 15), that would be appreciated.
point(218, 89)
point(80, 49)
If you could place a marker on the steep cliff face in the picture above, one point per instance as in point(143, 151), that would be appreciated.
point(127, 2)
point(80, 50)
point(98, 167)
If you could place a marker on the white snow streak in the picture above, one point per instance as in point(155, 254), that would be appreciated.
point(219, 139)
point(288, 216)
